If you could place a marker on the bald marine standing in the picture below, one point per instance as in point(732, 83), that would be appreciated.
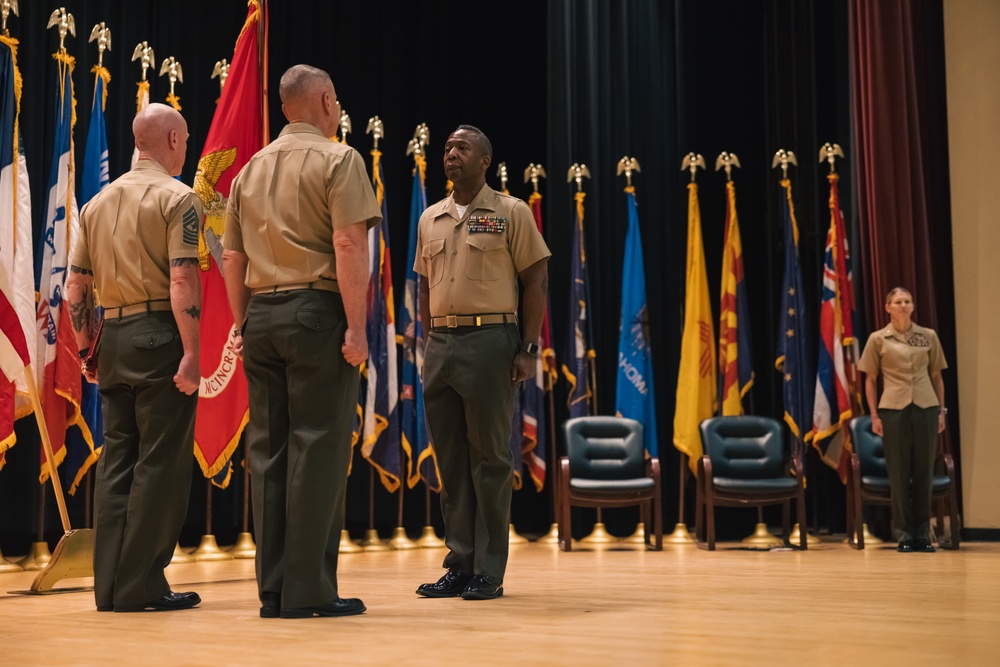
point(295, 262)
point(138, 249)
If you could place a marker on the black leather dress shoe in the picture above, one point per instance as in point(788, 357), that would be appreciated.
point(450, 585)
point(338, 607)
point(169, 602)
point(105, 607)
point(270, 605)
point(905, 546)
point(923, 545)
point(483, 587)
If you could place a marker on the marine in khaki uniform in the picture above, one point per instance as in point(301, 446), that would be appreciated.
point(471, 250)
point(138, 249)
point(295, 263)
point(909, 415)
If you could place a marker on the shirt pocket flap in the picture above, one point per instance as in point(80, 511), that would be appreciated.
point(432, 247)
point(487, 242)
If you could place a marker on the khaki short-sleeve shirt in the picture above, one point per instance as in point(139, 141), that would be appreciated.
point(471, 263)
point(131, 230)
point(905, 362)
point(286, 202)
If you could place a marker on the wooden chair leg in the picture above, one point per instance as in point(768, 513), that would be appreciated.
point(955, 530)
point(699, 513)
point(658, 520)
point(710, 515)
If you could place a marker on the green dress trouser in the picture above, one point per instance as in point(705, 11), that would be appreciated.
point(910, 438)
point(303, 398)
point(144, 472)
point(469, 398)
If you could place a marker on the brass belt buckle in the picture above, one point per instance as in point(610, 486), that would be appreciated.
point(451, 321)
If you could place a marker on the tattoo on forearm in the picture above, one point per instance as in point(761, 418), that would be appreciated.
point(194, 312)
point(77, 269)
point(81, 315)
point(183, 261)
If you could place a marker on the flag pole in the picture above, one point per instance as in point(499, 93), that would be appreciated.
point(74, 555)
point(691, 162)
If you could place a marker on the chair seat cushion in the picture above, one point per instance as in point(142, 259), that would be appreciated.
point(871, 483)
point(612, 485)
point(762, 486)
point(875, 483)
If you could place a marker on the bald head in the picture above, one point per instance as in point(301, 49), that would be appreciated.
point(308, 96)
point(161, 135)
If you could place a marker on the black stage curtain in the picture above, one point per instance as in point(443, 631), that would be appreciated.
point(568, 81)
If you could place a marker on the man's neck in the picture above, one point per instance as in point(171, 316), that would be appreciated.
point(463, 195)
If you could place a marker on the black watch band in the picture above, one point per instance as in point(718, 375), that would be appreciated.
point(530, 348)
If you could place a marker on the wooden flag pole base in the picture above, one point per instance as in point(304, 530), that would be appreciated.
point(74, 555)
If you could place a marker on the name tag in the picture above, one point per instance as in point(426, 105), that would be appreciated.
point(919, 340)
point(488, 224)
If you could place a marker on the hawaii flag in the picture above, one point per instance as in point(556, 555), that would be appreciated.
point(380, 427)
point(59, 368)
point(696, 386)
point(17, 300)
point(735, 366)
point(421, 461)
point(634, 396)
point(238, 130)
point(533, 392)
point(837, 380)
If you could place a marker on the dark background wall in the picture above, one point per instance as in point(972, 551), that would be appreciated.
point(558, 82)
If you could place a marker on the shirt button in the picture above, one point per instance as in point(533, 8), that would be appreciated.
point(454, 252)
point(453, 279)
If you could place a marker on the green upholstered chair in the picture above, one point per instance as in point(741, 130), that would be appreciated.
point(868, 484)
point(745, 463)
point(606, 466)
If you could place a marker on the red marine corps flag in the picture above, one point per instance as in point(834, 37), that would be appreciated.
point(238, 131)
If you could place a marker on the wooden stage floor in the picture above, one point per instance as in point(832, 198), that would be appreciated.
point(618, 606)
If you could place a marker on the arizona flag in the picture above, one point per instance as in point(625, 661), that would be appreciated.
point(238, 130)
point(83, 444)
point(735, 365)
point(791, 361)
point(578, 349)
point(634, 396)
point(421, 460)
point(837, 381)
point(59, 368)
point(380, 429)
point(696, 387)
point(17, 301)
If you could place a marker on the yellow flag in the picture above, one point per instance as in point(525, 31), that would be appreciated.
point(696, 378)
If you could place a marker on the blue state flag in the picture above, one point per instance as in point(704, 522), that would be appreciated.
point(791, 361)
point(84, 442)
point(634, 396)
point(421, 461)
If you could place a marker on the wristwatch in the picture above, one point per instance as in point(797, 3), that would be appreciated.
point(944, 410)
point(530, 348)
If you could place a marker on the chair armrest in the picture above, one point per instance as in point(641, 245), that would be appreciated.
point(798, 470)
point(653, 467)
point(705, 467)
point(949, 466)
